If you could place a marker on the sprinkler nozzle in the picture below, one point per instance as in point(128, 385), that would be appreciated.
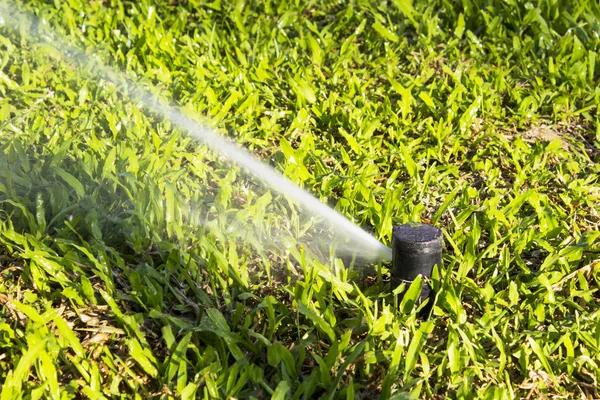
point(416, 248)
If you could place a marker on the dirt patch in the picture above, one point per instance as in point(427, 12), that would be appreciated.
point(544, 133)
point(571, 136)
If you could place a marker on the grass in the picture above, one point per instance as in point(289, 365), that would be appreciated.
point(477, 116)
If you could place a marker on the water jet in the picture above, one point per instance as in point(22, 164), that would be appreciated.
point(358, 240)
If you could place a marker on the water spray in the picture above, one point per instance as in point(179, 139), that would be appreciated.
point(360, 241)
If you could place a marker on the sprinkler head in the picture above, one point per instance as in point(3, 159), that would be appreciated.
point(416, 248)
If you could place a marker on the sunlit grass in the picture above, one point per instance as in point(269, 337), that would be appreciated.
point(479, 117)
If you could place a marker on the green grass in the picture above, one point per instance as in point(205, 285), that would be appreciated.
point(478, 116)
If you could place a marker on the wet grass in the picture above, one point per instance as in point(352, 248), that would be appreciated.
point(477, 116)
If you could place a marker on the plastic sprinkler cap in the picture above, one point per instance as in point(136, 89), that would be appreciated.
point(416, 248)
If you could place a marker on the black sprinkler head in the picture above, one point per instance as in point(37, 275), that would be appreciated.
point(416, 248)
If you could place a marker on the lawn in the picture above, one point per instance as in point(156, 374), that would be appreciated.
point(135, 262)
